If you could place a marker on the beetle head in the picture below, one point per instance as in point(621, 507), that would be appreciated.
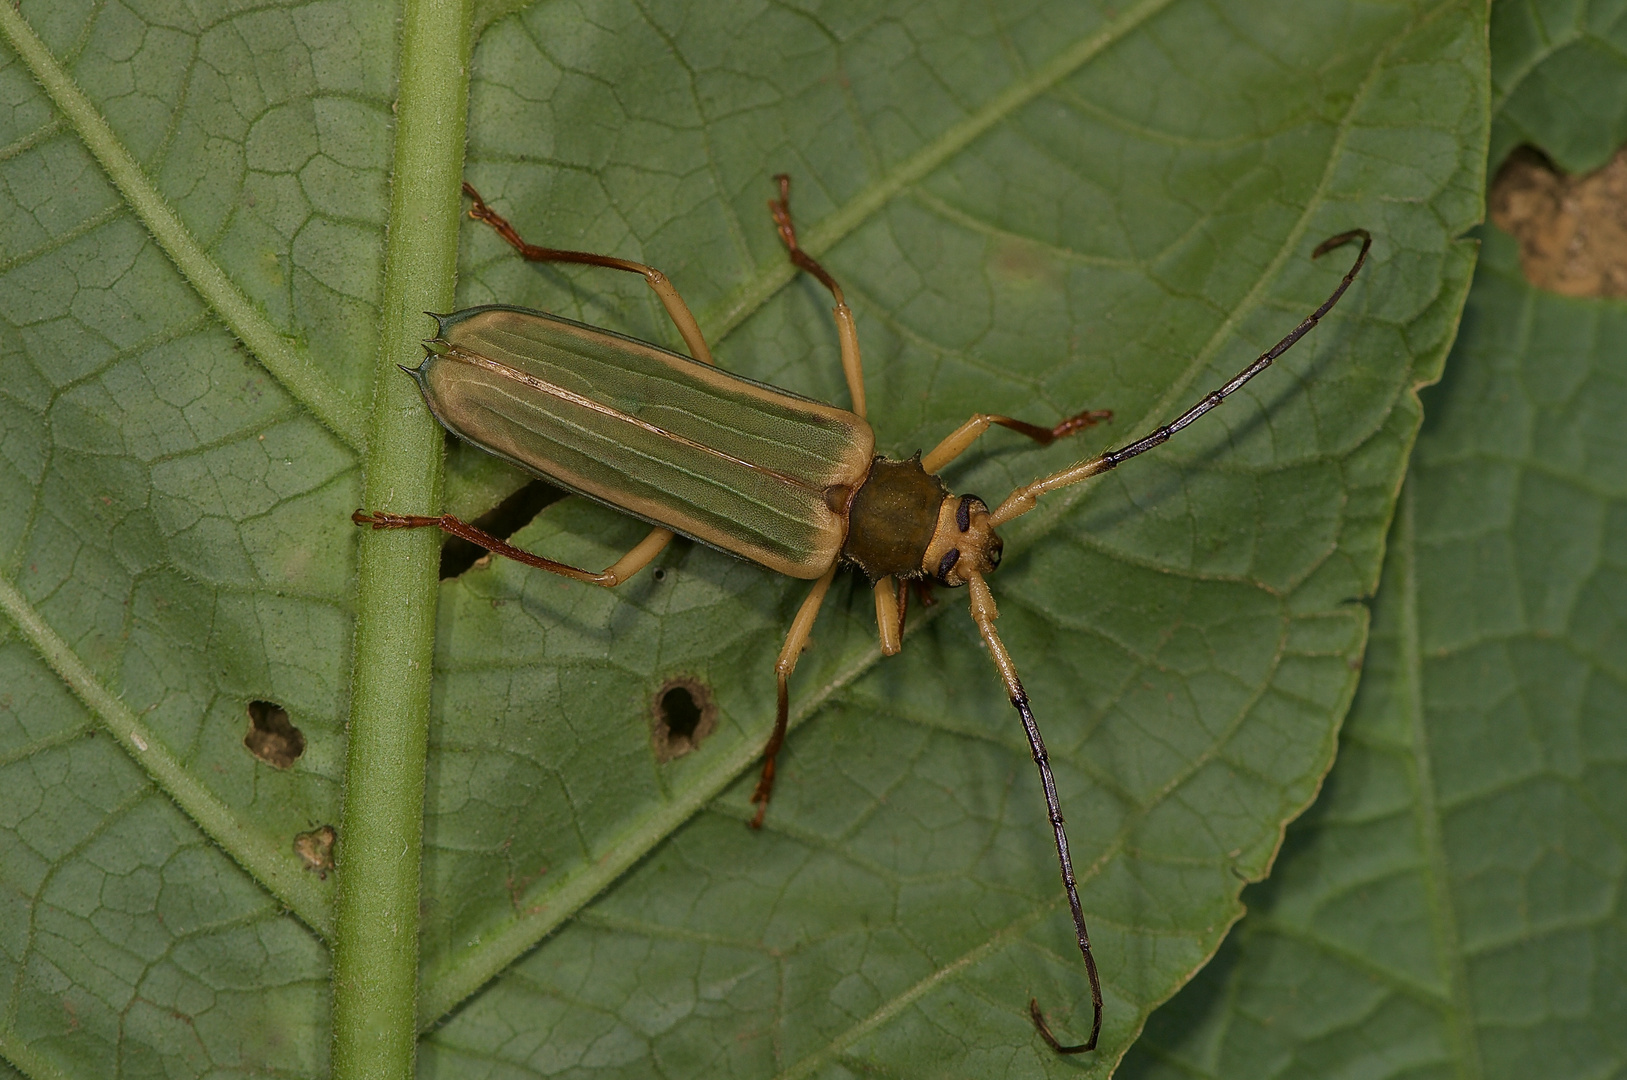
point(964, 542)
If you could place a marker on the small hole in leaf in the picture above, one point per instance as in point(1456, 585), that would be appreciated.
point(659, 574)
point(315, 849)
point(271, 737)
point(502, 521)
point(680, 712)
point(685, 714)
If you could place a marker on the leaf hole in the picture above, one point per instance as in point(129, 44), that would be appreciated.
point(502, 521)
point(271, 737)
point(1572, 230)
point(659, 573)
point(685, 714)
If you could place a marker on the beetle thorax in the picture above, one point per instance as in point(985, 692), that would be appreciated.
point(902, 522)
point(964, 542)
point(892, 518)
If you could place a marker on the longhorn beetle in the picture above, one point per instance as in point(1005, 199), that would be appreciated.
point(792, 484)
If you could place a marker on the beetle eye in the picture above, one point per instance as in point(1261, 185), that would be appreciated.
point(950, 558)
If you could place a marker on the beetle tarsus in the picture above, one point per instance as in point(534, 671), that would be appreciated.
point(956, 442)
point(1087, 419)
point(781, 209)
point(795, 642)
point(380, 519)
point(771, 750)
point(760, 797)
point(1046, 436)
point(658, 282)
point(479, 211)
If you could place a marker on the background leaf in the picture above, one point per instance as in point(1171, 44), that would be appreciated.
point(1057, 207)
point(1558, 80)
point(1452, 904)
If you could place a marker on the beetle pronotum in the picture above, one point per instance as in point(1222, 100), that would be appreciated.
point(789, 483)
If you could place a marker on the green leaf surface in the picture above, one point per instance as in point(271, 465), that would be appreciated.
point(1452, 905)
point(1559, 80)
point(1034, 210)
point(1186, 630)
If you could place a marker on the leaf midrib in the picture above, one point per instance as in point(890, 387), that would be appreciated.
point(1427, 820)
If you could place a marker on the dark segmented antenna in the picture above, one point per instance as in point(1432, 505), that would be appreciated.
point(1022, 500)
point(984, 613)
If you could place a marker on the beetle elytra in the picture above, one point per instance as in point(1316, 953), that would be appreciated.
point(792, 484)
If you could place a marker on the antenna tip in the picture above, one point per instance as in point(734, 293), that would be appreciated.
point(1342, 239)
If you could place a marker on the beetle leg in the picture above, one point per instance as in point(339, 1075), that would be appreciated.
point(795, 642)
point(637, 558)
point(641, 555)
point(677, 310)
point(889, 616)
point(963, 436)
point(852, 364)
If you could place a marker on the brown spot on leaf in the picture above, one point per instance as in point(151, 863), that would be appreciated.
point(1022, 262)
point(315, 848)
point(519, 884)
point(685, 713)
point(271, 737)
point(1572, 230)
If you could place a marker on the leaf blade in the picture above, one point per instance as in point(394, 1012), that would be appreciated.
point(331, 404)
point(1393, 938)
point(597, 660)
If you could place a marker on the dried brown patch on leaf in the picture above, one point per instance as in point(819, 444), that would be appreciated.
point(1572, 229)
point(315, 848)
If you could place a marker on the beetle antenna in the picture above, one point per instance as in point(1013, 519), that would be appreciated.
point(1022, 500)
point(984, 613)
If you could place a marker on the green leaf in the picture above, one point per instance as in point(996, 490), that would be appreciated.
point(1186, 629)
point(1559, 80)
point(1452, 904)
point(1033, 212)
